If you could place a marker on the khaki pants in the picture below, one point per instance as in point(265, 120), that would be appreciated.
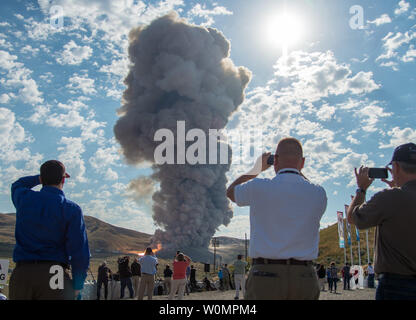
point(31, 282)
point(168, 284)
point(177, 285)
point(136, 283)
point(147, 282)
point(321, 283)
point(239, 280)
point(282, 282)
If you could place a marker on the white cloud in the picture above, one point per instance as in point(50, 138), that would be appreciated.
point(105, 157)
point(29, 49)
point(4, 98)
point(201, 11)
point(239, 225)
point(403, 7)
point(326, 112)
point(370, 116)
point(383, 19)
point(74, 54)
point(392, 42)
point(18, 77)
point(82, 83)
point(71, 150)
point(410, 55)
point(111, 175)
point(11, 135)
point(399, 136)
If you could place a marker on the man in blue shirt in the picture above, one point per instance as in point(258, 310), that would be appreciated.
point(148, 267)
point(50, 235)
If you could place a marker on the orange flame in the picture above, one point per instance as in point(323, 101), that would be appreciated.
point(141, 253)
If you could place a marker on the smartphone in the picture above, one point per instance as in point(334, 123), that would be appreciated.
point(270, 160)
point(378, 173)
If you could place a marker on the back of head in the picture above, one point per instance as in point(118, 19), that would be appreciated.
point(52, 172)
point(148, 251)
point(289, 153)
point(240, 256)
point(180, 257)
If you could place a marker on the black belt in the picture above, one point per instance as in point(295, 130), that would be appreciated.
point(28, 262)
point(282, 261)
point(387, 275)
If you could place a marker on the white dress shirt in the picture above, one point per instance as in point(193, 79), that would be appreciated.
point(285, 215)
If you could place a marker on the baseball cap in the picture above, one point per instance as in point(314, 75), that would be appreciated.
point(52, 172)
point(405, 153)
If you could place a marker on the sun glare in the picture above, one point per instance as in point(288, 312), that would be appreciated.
point(283, 30)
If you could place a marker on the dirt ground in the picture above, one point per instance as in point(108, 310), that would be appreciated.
point(364, 294)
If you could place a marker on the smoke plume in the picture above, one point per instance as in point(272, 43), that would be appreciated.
point(180, 72)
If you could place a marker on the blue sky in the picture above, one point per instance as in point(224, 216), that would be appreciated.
point(347, 94)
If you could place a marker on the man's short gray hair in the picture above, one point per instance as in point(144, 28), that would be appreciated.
point(409, 168)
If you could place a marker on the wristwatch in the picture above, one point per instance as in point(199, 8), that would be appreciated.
point(359, 190)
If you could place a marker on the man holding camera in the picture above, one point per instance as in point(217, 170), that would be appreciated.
point(285, 214)
point(393, 213)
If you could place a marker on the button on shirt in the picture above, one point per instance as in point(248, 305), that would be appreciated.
point(148, 264)
point(285, 214)
point(49, 227)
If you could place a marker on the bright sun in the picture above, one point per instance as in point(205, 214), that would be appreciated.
point(283, 30)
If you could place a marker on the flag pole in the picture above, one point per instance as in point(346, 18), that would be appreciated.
point(359, 254)
point(368, 249)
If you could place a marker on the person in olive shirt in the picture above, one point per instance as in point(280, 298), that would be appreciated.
point(239, 276)
point(393, 213)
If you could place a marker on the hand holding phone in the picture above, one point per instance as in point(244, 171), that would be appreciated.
point(378, 173)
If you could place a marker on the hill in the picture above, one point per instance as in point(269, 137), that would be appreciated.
point(107, 240)
point(329, 246)
point(103, 238)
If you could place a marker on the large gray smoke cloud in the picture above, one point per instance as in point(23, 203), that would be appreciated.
point(180, 72)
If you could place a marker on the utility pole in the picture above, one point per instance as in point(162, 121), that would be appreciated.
point(246, 256)
point(215, 244)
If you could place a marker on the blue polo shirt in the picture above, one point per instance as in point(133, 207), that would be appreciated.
point(49, 227)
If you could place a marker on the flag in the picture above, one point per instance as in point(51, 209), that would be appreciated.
point(348, 226)
point(358, 233)
point(341, 229)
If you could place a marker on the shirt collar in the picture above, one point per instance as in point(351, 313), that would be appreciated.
point(287, 169)
point(410, 184)
point(52, 190)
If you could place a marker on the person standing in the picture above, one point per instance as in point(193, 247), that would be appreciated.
point(136, 274)
point(102, 279)
point(221, 278)
point(239, 276)
point(180, 263)
point(193, 278)
point(125, 276)
point(371, 274)
point(346, 276)
point(392, 212)
point(333, 278)
point(167, 273)
point(321, 272)
point(226, 277)
point(285, 214)
point(50, 237)
point(148, 263)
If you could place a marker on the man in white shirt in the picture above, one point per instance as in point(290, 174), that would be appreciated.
point(285, 214)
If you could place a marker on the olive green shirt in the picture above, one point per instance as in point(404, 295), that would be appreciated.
point(393, 213)
point(240, 267)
